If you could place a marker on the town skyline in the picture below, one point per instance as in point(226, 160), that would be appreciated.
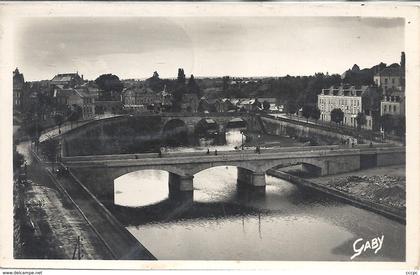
point(131, 48)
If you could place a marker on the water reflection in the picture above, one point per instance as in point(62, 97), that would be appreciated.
point(141, 188)
point(227, 223)
point(224, 221)
point(233, 138)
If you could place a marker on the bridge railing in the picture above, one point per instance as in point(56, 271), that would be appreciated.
point(250, 151)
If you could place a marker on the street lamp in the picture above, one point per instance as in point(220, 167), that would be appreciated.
point(242, 138)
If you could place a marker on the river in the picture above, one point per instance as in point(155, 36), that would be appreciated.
point(285, 223)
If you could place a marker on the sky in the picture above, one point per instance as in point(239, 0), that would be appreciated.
point(135, 47)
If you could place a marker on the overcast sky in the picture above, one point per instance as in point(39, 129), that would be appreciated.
point(205, 46)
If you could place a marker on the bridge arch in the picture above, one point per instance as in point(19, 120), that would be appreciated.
point(206, 126)
point(174, 131)
point(135, 189)
point(237, 122)
point(204, 166)
point(315, 166)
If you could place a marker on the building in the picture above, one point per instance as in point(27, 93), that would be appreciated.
point(190, 103)
point(389, 79)
point(68, 98)
point(67, 80)
point(140, 98)
point(18, 89)
point(164, 99)
point(224, 105)
point(108, 107)
point(393, 104)
point(248, 104)
point(84, 100)
point(348, 99)
point(274, 107)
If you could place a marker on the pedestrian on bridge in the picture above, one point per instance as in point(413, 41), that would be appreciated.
point(208, 151)
point(215, 152)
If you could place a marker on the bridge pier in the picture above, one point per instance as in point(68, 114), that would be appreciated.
point(181, 188)
point(251, 178)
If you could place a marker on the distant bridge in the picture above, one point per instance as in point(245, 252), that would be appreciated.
point(99, 172)
point(165, 125)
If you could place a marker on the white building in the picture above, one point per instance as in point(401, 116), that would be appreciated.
point(390, 81)
point(393, 104)
point(348, 99)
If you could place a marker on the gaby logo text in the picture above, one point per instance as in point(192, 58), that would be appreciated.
point(360, 246)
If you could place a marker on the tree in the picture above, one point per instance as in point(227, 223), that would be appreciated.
point(75, 114)
point(155, 83)
point(181, 77)
point(99, 110)
point(387, 123)
point(266, 105)
point(51, 151)
point(18, 160)
point(179, 91)
point(316, 113)
point(361, 120)
point(33, 129)
point(291, 107)
point(59, 119)
point(257, 104)
point(110, 85)
point(337, 115)
point(400, 126)
point(307, 111)
point(225, 84)
point(193, 87)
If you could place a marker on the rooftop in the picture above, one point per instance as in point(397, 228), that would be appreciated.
point(393, 71)
point(65, 77)
point(345, 90)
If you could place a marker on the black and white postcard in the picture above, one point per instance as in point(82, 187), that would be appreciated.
point(209, 135)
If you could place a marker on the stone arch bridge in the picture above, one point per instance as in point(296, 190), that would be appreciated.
point(98, 173)
point(164, 123)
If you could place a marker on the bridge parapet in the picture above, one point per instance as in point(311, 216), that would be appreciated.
point(99, 172)
point(364, 149)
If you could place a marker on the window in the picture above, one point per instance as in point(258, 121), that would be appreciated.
point(384, 108)
point(395, 108)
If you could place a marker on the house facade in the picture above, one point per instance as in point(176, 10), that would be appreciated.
point(140, 98)
point(68, 98)
point(18, 89)
point(348, 99)
point(393, 104)
point(391, 81)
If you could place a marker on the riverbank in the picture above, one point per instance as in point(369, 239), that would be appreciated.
point(48, 224)
point(380, 189)
point(119, 243)
point(382, 185)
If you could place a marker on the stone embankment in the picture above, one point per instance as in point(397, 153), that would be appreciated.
point(381, 189)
